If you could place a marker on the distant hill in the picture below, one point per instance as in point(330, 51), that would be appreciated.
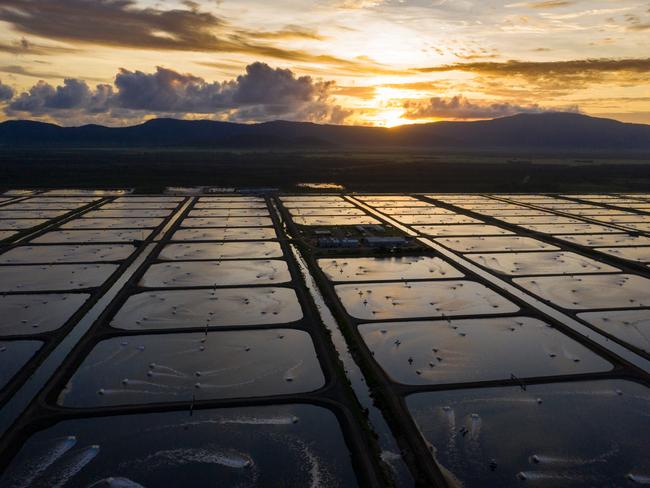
point(547, 131)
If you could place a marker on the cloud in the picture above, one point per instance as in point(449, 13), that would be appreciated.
point(459, 107)
point(261, 93)
point(544, 4)
point(24, 46)
point(557, 75)
point(6, 92)
point(538, 68)
point(124, 24)
point(73, 95)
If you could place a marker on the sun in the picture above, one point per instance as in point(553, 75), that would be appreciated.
point(391, 118)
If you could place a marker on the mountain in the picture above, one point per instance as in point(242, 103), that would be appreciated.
point(547, 131)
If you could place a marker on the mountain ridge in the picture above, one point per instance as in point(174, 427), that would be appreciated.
point(559, 130)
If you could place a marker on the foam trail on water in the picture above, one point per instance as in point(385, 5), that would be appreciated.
point(169, 369)
point(107, 359)
point(640, 479)
point(39, 463)
point(317, 475)
point(261, 420)
point(547, 476)
point(115, 483)
point(128, 391)
point(152, 384)
point(214, 372)
point(73, 464)
point(569, 461)
point(285, 420)
point(290, 373)
point(230, 459)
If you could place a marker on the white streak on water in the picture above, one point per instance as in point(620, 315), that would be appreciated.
point(548, 476)
point(40, 462)
point(73, 465)
point(115, 483)
point(639, 478)
point(227, 458)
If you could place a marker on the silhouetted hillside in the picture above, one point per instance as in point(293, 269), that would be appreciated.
point(548, 131)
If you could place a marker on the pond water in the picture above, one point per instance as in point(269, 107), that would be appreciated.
point(34, 314)
point(336, 220)
point(436, 219)
point(222, 250)
point(226, 222)
point(20, 224)
point(52, 277)
point(13, 356)
point(208, 308)
point(595, 240)
point(385, 301)
point(555, 435)
point(490, 244)
point(225, 234)
point(400, 268)
point(631, 326)
point(93, 236)
point(108, 223)
point(461, 230)
point(119, 214)
point(540, 263)
point(179, 367)
point(31, 214)
point(570, 228)
point(229, 212)
point(216, 273)
point(278, 445)
point(641, 254)
point(80, 253)
point(591, 291)
point(454, 351)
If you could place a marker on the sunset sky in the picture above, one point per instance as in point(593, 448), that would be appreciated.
point(371, 62)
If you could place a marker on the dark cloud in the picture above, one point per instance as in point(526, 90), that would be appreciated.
point(72, 96)
point(557, 75)
point(262, 93)
point(24, 46)
point(547, 4)
point(6, 92)
point(22, 71)
point(122, 23)
point(459, 107)
point(535, 68)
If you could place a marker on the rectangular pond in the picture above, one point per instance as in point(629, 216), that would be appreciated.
point(540, 263)
point(387, 301)
point(216, 273)
point(208, 308)
point(225, 234)
point(461, 230)
point(179, 367)
point(93, 236)
point(553, 435)
point(378, 269)
point(53, 277)
point(590, 291)
point(226, 222)
point(456, 351)
point(35, 313)
point(221, 250)
point(74, 253)
point(278, 445)
point(494, 244)
point(630, 326)
point(13, 357)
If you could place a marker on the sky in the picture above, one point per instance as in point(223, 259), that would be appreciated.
point(363, 62)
